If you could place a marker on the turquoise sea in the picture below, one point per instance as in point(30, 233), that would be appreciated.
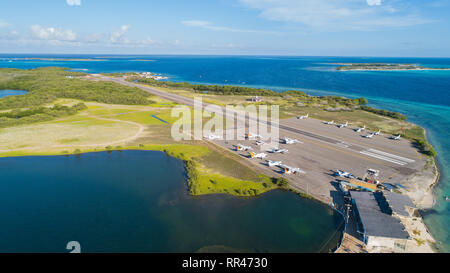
point(424, 96)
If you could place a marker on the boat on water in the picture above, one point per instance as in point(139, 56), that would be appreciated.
point(447, 198)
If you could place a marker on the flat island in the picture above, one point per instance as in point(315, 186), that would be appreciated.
point(67, 112)
point(382, 67)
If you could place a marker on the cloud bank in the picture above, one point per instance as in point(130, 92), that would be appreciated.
point(73, 2)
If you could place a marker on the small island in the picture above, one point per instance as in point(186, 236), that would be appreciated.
point(382, 67)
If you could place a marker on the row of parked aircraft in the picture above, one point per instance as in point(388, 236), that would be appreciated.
point(289, 141)
point(359, 130)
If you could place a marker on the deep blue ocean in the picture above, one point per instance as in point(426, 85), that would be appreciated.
point(422, 95)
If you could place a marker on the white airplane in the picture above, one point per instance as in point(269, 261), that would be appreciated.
point(396, 137)
point(303, 117)
point(291, 141)
point(377, 133)
point(241, 147)
point(343, 125)
point(280, 151)
point(290, 170)
point(359, 130)
point(213, 137)
point(252, 136)
point(273, 163)
point(343, 174)
point(329, 122)
point(260, 142)
point(369, 136)
point(260, 156)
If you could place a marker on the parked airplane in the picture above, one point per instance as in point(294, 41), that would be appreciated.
point(369, 136)
point(241, 147)
point(291, 141)
point(260, 156)
point(273, 163)
point(303, 117)
point(291, 170)
point(343, 125)
point(260, 142)
point(252, 136)
point(396, 137)
point(344, 174)
point(213, 137)
point(280, 151)
point(329, 122)
point(359, 130)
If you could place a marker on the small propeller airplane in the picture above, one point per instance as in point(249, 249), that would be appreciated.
point(260, 142)
point(291, 141)
point(291, 170)
point(241, 147)
point(280, 151)
point(213, 137)
point(343, 125)
point(273, 163)
point(359, 130)
point(303, 117)
point(260, 156)
point(252, 136)
point(396, 137)
point(369, 136)
point(344, 174)
point(329, 122)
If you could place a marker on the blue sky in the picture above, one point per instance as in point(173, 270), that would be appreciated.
point(250, 27)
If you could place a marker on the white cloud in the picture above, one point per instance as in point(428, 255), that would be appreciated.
point(373, 2)
point(53, 34)
point(73, 2)
point(119, 37)
point(210, 26)
point(335, 14)
point(3, 23)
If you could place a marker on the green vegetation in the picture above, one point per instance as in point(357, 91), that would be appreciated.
point(45, 85)
point(231, 90)
point(37, 114)
point(424, 147)
point(386, 113)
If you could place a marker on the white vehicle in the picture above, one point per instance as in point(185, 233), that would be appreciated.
point(252, 136)
point(329, 122)
point(303, 117)
point(290, 170)
point(343, 125)
point(377, 133)
point(260, 156)
point(241, 147)
point(344, 174)
point(396, 137)
point(369, 136)
point(280, 151)
point(273, 163)
point(260, 142)
point(291, 141)
point(213, 137)
point(359, 130)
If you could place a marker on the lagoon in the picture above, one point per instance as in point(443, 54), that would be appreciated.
point(137, 201)
point(7, 93)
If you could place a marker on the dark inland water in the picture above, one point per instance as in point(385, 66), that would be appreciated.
point(137, 201)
